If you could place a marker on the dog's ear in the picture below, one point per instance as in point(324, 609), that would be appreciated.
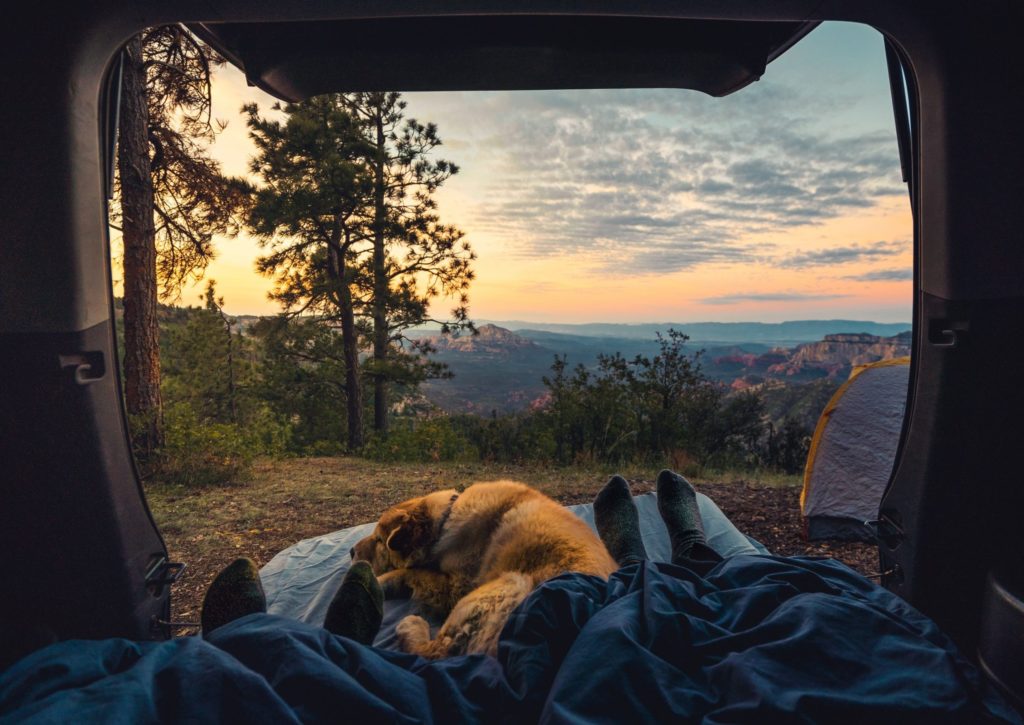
point(413, 532)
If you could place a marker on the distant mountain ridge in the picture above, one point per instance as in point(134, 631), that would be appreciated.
point(502, 370)
point(489, 338)
point(791, 332)
point(832, 358)
point(858, 349)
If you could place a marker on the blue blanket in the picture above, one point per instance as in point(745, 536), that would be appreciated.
point(759, 639)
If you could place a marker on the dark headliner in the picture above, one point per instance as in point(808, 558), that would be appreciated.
point(297, 60)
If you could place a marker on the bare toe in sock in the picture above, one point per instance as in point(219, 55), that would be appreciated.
point(357, 609)
point(234, 593)
point(618, 522)
point(677, 504)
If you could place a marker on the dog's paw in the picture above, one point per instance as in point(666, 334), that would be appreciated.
point(413, 633)
point(394, 585)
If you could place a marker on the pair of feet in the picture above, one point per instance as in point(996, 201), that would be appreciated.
point(355, 611)
point(619, 524)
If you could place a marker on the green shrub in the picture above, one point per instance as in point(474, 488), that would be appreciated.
point(509, 439)
point(323, 448)
point(268, 434)
point(198, 452)
point(433, 439)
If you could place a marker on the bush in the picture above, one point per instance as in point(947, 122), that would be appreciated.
point(323, 448)
point(433, 439)
point(198, 452)
point(266, 432)
point(508, 439)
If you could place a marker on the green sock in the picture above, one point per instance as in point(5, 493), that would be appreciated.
point(618, 523)
point(234, 593)
point(357, 608)
point(677, 504)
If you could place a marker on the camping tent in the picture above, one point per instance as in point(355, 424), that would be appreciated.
point(853, 451)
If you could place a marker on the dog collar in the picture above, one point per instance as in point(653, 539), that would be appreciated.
point(446, 514)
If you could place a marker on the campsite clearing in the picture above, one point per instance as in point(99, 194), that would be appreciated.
point(288, 500)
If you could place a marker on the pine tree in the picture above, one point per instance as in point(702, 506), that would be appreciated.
point(173, 198)
point(415, 257)
point(141, 332)
point(347, 208)
point(308, 213)
point(202, 361)
point(302, 374)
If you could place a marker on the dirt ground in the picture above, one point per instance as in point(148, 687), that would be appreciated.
point(289, 500)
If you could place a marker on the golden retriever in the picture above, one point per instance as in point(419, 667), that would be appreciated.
point(473, 557)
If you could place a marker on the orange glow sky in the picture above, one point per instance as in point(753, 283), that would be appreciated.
point(562, 230)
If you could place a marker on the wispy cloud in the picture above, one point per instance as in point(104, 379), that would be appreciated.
point(883, 275)
point(769, 297)
point(843, 255)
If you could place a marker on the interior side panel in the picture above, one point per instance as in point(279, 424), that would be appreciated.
point(950, 514)
point(955, 504)
point(76, 536)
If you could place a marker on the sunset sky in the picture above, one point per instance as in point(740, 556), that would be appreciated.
point(780, 202)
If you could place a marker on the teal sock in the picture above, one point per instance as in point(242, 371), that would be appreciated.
point(677, 504)
point(234, 593)
point(618, 523)
point(357, 609)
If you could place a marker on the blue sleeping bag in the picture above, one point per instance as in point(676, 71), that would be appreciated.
point(759, 639)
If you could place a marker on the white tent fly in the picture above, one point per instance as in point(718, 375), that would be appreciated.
point(853, 452)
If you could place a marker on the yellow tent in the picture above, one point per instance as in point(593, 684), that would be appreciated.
point(853, 451)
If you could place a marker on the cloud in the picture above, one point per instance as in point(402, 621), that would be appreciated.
point(843, 255)
point(883, 275)
point(769, 297)
point(643, 181)
point(649, 181)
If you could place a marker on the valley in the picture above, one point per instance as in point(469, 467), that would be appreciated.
point(501, 370)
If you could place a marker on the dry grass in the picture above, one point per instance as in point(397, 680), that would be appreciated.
point(288, 500)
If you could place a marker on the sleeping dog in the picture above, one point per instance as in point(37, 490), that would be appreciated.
point(473, 557)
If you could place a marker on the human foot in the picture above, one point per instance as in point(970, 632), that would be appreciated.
point(234, 593)
point(357, 609)
point(618, 523)
point(677, 504)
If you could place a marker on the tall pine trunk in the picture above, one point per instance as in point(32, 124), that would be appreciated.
point(380, 283)
point(141, 331)
point(350, 347)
